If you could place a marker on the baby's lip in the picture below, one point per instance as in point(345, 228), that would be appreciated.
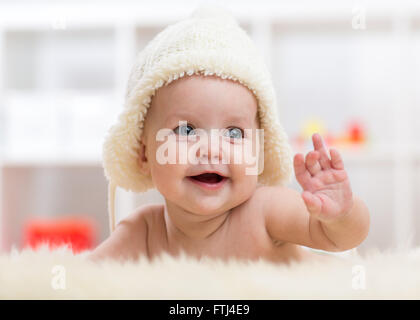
point(210, 171)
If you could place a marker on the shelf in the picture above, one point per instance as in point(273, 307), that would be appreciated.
point(75, 59)
point(50, 162)
point(61, 125)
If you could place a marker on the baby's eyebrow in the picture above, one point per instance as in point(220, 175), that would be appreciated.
point(180, 117)
point(240, 117)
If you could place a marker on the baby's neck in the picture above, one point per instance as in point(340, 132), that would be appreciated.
point(188, 226)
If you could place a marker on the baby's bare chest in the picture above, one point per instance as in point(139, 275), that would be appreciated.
point(244, 237)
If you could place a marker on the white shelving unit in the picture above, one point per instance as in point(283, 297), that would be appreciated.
point(72, 90)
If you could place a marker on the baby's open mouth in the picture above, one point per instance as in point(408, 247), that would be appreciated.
point(208, 177)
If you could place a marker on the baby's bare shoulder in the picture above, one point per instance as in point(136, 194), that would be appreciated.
point(129, 239)
point(264, 201)
point(269, 197)
point(141, 215)
point(250, 214)
point(263, 195)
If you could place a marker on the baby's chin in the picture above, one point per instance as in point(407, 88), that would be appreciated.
point(205, 205)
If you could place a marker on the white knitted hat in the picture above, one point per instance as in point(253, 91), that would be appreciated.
point(209, 42)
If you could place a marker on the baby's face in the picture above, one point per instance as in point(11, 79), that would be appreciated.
point(193, 109)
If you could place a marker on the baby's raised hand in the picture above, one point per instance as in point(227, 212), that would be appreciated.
point(326, 187)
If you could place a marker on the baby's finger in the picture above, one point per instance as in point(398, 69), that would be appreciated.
point(312, 163)
point(336, 160)
point(319, 146)
point(302, 175)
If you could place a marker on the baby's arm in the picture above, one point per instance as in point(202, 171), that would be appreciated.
point(287, 219)
point(326, 216)
point(128, 241)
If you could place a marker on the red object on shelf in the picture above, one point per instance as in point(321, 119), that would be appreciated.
point(78, 233)
point(356, 131)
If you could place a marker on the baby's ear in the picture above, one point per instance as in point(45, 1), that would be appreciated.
point(142, 158)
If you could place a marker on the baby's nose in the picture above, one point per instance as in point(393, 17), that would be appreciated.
point(210, 148)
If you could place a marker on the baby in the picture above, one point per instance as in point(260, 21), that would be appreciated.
point(207, 96)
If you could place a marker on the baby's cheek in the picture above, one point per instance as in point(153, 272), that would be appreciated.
point(167, 179)
point(243, 186)
point(162, 161)
point(245, 158)
point(183, 151)
point(165, 152)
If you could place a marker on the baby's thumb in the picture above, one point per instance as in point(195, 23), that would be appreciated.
point(313, 204)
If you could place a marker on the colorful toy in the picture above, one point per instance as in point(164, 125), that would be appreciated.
point(355, 134)
point(311, 126)
point(356, 131)
point(77, 233)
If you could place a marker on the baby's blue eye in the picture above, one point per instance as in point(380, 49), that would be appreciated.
point(234, 133)
point(184, 130)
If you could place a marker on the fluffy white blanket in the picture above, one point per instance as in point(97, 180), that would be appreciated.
point(61, 275)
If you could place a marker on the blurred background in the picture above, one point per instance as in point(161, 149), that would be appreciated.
point(346, 69)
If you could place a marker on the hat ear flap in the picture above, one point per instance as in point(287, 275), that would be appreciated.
point(261, 145)
point(111, 205)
